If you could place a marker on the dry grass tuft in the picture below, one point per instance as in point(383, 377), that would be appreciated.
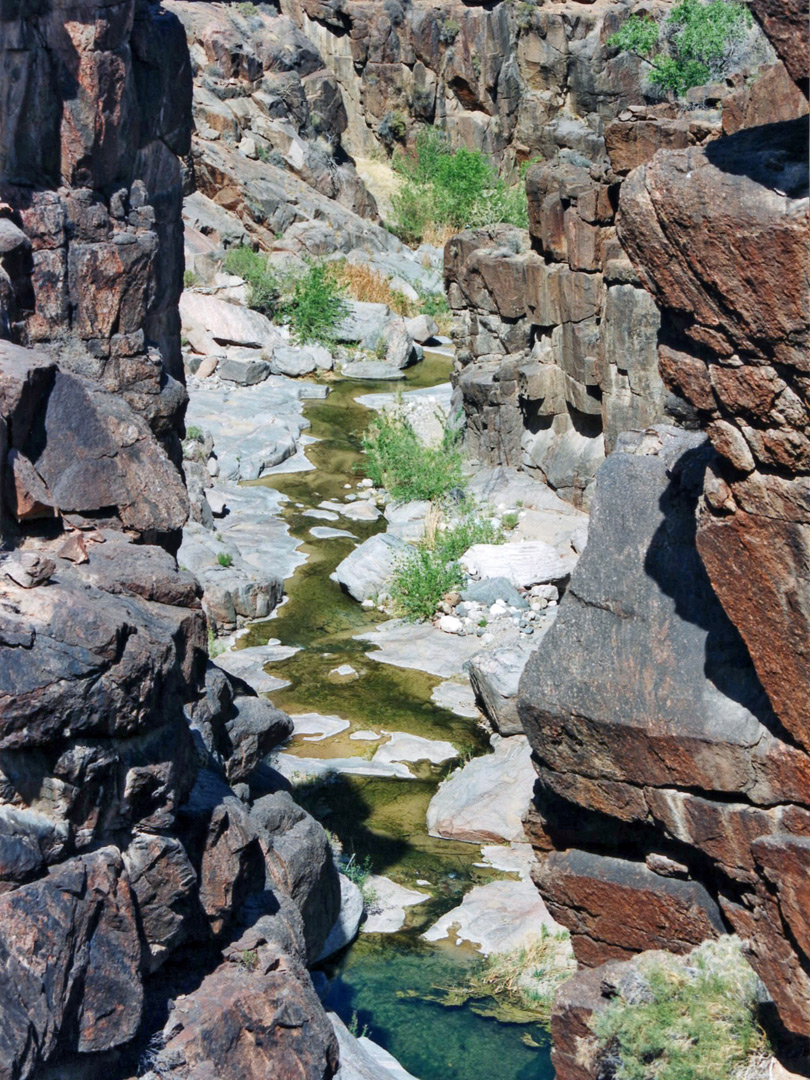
point(363, 283)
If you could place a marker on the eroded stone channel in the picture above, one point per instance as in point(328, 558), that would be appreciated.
point(382, 983)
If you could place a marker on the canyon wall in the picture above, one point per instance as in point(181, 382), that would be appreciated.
point(149, 916)
point(666, 706)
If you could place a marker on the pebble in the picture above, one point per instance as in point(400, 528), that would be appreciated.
point(450, 624)
point(344, 671)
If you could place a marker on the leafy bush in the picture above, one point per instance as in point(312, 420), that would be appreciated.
point(455, 188)
point(189, 279)
point(314, 304)
point(399, 462)
point(264, 290)
point(423, 576)
point(311, 302)
point(698, 41)
point(224, 558)
point(697, 1021)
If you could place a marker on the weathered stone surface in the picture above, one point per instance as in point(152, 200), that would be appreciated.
point(615, 908)
point(367, 571)
point(164, 886)
point(495, 678)
point(74, 928)
point(254, 729)
point(255, 1015)
point(484, 801)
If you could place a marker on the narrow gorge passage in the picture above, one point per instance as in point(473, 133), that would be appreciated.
point(382, 983)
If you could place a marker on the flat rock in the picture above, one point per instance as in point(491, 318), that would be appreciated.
point(458, 698)
point(387, 910)
point(248, 664)
point(405, 747)
point(376, 370)
point(496, 918)
point(421, 646)
point(323, 532)
point(297, 768)
point(366, 572)
point(486, 799)
point(517, 858)
point(347, 923)
point(360, 511)
point(407, 520)
point(320, 515)
point(532, 562)
point(295, 360)
point(313, 727)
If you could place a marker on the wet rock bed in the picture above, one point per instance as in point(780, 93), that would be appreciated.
point(384, 715)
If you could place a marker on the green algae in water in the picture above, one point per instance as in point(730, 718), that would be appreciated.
point(387, 984)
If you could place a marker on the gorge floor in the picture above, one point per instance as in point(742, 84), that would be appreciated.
point(383, 982)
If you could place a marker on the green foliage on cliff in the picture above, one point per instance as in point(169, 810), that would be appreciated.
point(699, 40)
point(451, 189)
point(691, 1018)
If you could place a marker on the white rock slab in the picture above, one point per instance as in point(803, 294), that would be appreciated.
point(421, 646)
point(365, 736)
point(386, 912)
point(227, 324)
point(456, 697)
point(496, 918)
point(532, 562)
point(248, 664)
point(301, 768)
point(361, 511)
point(362, 1059)
point(515, 858)
point(347, 923)
point(484, 802)
point(405, 747)
point(315, 728)
point(323, 532)
point(366, 571)
point(321, 515)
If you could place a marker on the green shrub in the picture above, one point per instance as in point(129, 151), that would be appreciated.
point(314, 303)
point(263, 286)
point(423, 576)
point(449, 31)
point(699, 1021)
point(189, 279)
point(247, 8)
point(697, 42)
point(456, 188)
point(396, 460)
point(224, 558)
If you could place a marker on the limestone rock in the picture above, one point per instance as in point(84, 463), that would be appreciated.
point(495, 678)
point(367, 571)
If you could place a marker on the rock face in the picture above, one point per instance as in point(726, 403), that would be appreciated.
point(126, 861)
point(666, 707)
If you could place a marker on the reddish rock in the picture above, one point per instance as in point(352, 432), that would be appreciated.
point(785, 23)
point(615, 908)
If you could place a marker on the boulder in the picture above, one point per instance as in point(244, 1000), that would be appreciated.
point(527, 563)
point(484, 802)
point(422, 328)
point(490, 589)
point(295, 361)
point(254, 729)
point(242, 371)
point(499, 917)
point(347, 924)
point(76, 927)
point(495, 678)
point(367, 571)
point(364, 323)
point(164, 885)
point(226, 324)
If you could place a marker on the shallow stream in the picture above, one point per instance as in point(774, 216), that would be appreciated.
point(380, 984)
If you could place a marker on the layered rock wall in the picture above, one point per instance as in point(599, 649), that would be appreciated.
point(130, 873)
point(666, 706)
